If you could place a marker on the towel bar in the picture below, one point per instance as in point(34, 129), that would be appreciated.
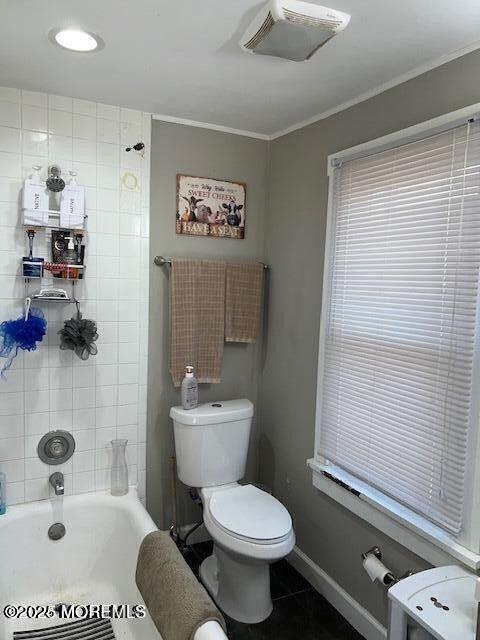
point(160, 261)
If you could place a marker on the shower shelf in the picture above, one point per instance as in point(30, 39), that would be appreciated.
point(48, 295)
point(38, 298)
point(58, 267)
point(73, 271)
point(52, 213)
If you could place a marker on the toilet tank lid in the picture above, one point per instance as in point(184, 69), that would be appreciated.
point(213, 412)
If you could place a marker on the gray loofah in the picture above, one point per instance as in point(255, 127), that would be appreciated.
point(79, 335)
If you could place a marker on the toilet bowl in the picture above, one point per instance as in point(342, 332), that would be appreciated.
point(250, 528)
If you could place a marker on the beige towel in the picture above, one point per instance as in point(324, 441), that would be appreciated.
point(176, 601)
point(243, 301)
point(197, 319)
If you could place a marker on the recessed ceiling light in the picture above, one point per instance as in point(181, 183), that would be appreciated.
point(76, 40)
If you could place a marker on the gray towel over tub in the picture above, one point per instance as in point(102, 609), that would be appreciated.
point(176, 601)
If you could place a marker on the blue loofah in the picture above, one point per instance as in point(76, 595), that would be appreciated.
point(21, 334)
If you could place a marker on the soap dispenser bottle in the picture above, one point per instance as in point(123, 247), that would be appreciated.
point(189, 389)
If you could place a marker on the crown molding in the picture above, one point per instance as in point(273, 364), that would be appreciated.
point(209, 125)
point(404, 77)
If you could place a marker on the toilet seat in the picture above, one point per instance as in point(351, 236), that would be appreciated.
point(250, 514)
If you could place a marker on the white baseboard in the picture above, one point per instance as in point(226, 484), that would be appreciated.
point(363, 621)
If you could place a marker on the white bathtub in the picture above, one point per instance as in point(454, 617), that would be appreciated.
point(93, 564)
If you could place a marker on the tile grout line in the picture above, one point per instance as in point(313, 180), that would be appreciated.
point(295, 593)
point(50, 414)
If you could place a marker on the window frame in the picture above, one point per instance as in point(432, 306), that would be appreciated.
point(424, 538)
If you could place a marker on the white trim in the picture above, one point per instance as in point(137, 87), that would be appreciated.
point(399, 523)
point(409, 75)
point(361, 619)
point(209, 125)
point(404, 136)
point(327, 252)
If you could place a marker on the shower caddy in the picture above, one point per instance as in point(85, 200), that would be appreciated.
point(37, 216)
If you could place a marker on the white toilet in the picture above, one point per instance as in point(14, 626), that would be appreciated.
point(250, 528)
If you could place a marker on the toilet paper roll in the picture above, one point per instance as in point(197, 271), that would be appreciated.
point(376, 569)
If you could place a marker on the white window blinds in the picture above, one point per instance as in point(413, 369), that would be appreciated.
point(400, 321)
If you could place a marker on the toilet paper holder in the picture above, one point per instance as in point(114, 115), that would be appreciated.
point(373, 551)
point(388, 578)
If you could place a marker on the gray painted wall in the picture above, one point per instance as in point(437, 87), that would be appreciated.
point(291, 237)
point(330, 535)
point(198, 152)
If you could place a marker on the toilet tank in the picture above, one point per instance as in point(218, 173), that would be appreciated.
point(211, 442)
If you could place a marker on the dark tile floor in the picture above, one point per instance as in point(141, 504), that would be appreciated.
point(299, 612)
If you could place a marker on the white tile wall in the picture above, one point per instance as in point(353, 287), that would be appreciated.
point(104, 397)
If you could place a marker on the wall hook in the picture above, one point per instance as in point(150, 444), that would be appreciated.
point(28, 304)
point(139, 147)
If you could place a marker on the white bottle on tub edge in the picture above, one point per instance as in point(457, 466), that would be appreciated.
point(189, 389)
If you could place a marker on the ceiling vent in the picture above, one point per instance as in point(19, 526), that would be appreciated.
point(292, 29)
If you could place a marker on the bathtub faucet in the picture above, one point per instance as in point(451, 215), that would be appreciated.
point(56, 480)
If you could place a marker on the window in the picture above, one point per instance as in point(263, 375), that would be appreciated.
point(397, 405)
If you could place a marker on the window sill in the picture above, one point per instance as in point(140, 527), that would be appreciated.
point(400, 523)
